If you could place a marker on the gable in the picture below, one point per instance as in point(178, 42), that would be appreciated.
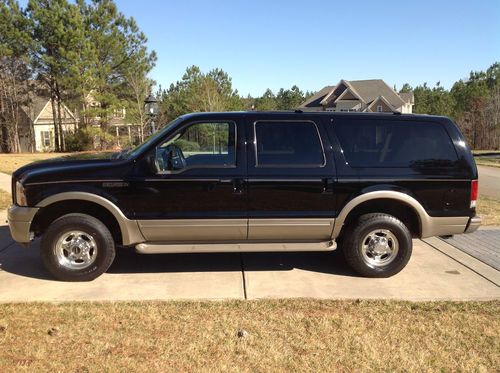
point(348, 94)
point(369, 90)
point(380, 101)
point(315, 100)
point(334, 94)
point(45, 115)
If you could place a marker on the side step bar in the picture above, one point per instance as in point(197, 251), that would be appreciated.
point(165, 248)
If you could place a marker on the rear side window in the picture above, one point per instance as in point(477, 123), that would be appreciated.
point(379, 143)
point(288, 144)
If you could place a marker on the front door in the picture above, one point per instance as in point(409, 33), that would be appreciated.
point(290, 180)
point(198, 192)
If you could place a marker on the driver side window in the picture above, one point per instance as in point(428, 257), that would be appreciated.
point(199, 145)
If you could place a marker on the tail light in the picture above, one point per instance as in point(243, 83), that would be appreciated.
point(473, 193)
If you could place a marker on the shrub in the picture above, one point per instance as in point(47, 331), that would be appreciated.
point(79, 140)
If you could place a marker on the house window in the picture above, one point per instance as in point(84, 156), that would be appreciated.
point(46, 139)
point(119, 113)
point(380, 108)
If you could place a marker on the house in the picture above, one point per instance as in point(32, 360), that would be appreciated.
point(116, 121)
point(360, 95)
point(37, 119)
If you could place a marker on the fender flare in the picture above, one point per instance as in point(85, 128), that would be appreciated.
point(424, 218)
point(130, 231)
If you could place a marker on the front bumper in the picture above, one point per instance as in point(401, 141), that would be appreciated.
point(473, 224)
point(20, 219)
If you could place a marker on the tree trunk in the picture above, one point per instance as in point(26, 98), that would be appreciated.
point(61, 129)
point(54, 117)
point(59, 118)
point(5, 138)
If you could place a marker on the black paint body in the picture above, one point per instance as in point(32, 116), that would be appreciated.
point(247, 191)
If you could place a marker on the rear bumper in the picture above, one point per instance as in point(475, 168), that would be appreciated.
point(473, 224)
point(20, 219)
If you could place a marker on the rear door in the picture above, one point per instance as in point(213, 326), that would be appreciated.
point(290, 179)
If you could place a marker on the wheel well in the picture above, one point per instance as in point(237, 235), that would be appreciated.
point(50, 213)
point(398, 209)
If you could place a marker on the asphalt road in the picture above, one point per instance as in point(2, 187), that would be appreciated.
point(489, 181)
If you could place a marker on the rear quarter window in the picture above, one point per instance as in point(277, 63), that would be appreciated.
point(387, 143)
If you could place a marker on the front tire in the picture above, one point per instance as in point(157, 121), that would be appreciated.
point(377, 245)
point(77, 247)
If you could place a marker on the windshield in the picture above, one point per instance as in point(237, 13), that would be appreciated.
point(150, 139)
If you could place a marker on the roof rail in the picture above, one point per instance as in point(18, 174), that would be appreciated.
point(298, 111)
point(395, 112)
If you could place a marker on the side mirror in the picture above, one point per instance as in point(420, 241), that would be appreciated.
point(152, 165)
point(174, 159)
point(170, 160)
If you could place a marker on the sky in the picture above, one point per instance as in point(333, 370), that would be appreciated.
point(274, 44)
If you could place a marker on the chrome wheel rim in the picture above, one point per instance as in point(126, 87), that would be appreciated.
point(379, 248)
point(75, 250)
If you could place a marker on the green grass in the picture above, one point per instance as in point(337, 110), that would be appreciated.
point(283, 336)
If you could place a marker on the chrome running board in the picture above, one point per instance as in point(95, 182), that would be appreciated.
point(165, 248)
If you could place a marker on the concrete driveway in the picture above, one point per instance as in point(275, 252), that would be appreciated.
point(436, 271)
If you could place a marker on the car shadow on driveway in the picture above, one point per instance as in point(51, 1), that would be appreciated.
point(127, 261)
point(27, 262)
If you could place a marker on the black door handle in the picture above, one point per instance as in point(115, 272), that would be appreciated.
point(327, 185)
point(238, 186)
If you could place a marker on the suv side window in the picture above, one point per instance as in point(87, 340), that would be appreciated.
point(288, 144)
point(379, 143)
point(199, 145)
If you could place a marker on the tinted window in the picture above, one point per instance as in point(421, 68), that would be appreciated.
point(378, 143)
point(289, 144)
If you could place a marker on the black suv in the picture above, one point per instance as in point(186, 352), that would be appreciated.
point(254, 181)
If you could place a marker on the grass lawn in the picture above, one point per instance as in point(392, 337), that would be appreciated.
point(485, 151)
point(11, 162)
point(282, 336)
point(489, 210)
point(485, 161)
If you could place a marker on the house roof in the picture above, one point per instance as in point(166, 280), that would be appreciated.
point(36, 105)
point(407, 97)
point(366, 90)
point(369, 90)
point(314, 100)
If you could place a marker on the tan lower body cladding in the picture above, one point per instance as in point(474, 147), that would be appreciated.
point(193, 230)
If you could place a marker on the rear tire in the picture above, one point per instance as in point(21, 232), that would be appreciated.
point(377, 245)
point(77, 247)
